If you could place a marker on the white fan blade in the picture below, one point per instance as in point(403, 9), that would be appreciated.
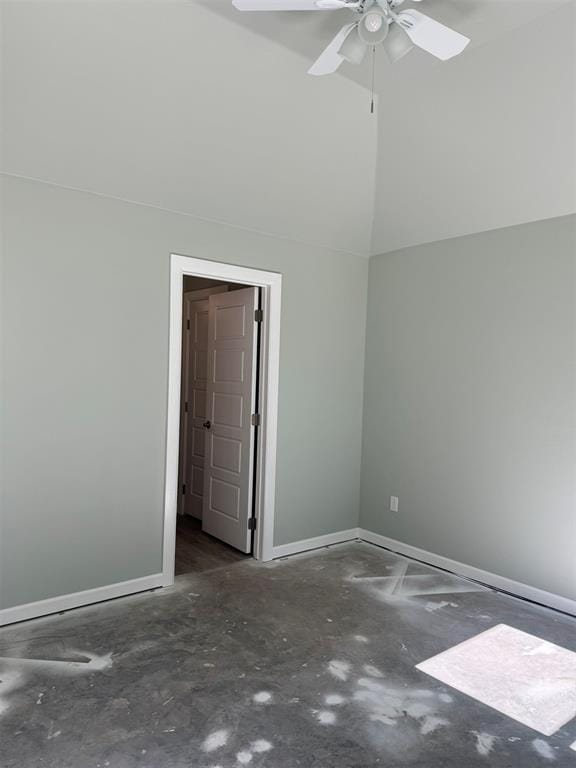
point(431, 36)
point(329, 60)
point(277, 5)
point(332, 5)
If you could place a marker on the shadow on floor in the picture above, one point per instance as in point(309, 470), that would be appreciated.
point(197, 552)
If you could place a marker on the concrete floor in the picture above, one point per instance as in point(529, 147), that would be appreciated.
point(308, 661)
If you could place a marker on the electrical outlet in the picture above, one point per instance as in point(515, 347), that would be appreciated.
point(393, 503)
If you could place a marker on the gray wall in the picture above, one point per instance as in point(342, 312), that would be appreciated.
point(470, 391)
point(470, 401)
point(85, 384)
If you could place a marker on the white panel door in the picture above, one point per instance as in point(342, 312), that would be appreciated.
point(230, 403)
point(193, 401)
point(194, 404)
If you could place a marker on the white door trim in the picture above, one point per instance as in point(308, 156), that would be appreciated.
point(265, 490)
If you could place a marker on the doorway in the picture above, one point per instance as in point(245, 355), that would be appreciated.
point(218, 423)
point(222, 415)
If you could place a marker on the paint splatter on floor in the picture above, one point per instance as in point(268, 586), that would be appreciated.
point(389, 704)
point(261, 745)
point(400, 586)
point(334, 699)
point(339, 669)
point(77, 662)
point(544, 749)
point(431, 723)
point(484, 742)
point(325, 717)
point(10, 680)
point(262, 697)
point(433, 607)
point(215, 740)
point(369, 669)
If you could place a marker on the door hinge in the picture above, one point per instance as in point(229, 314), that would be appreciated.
point(252, 524)
point(183, 489)
point(255, 419)
point(258, 315)
point(185, 407)
point(187, 325)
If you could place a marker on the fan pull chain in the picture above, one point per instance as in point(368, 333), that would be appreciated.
point(372, 86)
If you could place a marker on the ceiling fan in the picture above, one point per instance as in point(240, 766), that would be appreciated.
point(379, 22)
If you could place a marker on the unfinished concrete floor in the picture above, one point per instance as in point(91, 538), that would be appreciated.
point(308, 661)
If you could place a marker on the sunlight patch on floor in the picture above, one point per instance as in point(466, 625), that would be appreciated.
point(526, 678)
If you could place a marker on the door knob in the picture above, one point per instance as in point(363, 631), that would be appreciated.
point(207, 424)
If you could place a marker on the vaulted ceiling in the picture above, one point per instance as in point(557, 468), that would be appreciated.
point(484, 21)
point(483, 141)
point(193, 106)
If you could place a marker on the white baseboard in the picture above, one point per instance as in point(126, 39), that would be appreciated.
point(123, 588)
point(77, 599)
point(318, 541)
point(500, 583)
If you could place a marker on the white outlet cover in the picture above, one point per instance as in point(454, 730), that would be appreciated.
point(393, 503)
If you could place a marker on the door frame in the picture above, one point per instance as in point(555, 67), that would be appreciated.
point(270, 284)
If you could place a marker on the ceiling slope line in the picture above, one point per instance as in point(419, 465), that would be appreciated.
point(197, 217)
point(424, 243)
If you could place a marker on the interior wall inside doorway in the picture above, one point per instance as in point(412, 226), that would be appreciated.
point(192, 283)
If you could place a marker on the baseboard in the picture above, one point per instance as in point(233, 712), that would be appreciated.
point(501, 583)
point(315, 543)
point(124, 588)
point(77, 599)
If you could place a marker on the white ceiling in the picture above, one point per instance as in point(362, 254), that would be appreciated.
point(193, 106)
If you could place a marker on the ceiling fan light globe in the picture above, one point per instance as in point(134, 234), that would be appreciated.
point(372, 21)
point(353, 48)
point(373, 27)
point(397, 44)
